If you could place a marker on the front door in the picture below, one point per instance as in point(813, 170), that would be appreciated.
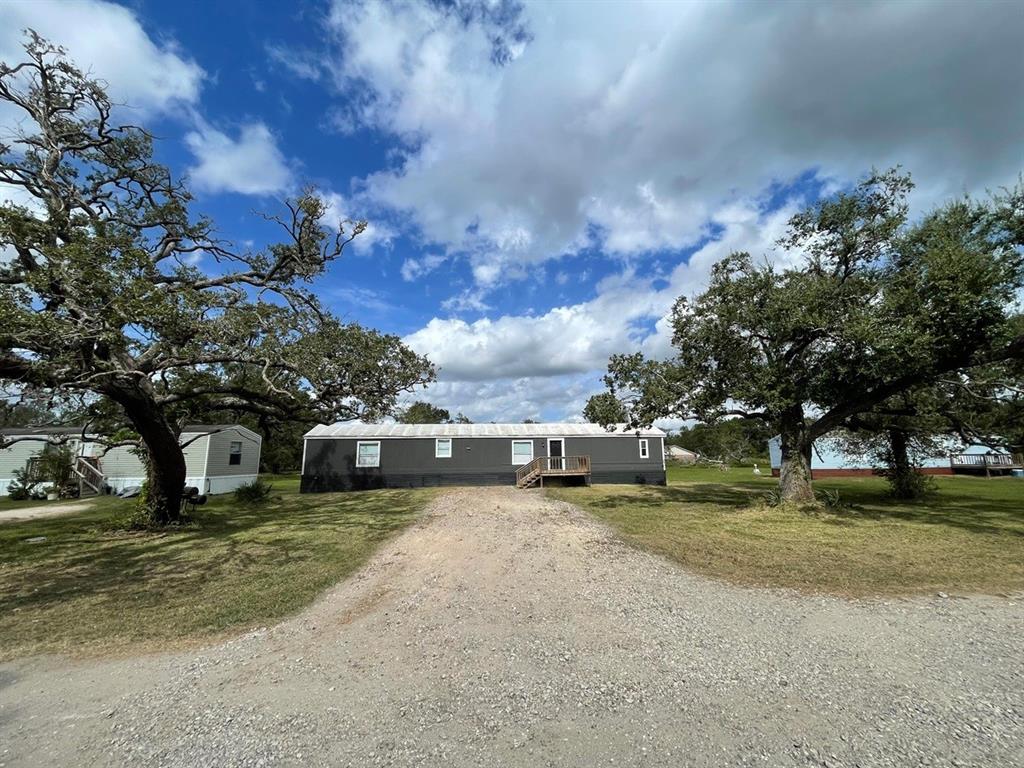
point(556, 450)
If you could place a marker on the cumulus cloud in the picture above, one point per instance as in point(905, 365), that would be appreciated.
point(629, 129)
point(251, 164)
point(627, 313)
point(512, 400)
point(108, 40)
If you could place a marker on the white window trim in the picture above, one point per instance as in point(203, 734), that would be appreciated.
point(359, 444)
point(515, 462)
point(437, 443)
point(645, 448)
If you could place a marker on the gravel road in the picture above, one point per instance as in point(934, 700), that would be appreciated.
point(508, 629)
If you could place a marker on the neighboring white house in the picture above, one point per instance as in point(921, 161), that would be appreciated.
point(683, 456)
point(829, 459)
point(218, 458)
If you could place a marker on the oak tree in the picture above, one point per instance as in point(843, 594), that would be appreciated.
point(101, 296)
point(859, 305)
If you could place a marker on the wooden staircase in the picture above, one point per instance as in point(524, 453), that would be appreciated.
point(91, 480)
point(534, 473)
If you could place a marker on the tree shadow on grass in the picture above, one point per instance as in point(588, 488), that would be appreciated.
point(981, 510)
point(89, 560)
point(734, 497)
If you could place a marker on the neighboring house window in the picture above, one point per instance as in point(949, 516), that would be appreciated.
point(443, 448)
point(522, 451)
point(644, 451)
point(235, 457)
point(368, 454)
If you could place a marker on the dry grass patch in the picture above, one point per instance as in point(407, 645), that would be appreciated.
point(91, 587)
point(969, 537)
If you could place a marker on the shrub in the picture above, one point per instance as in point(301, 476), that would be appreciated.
point(255, 492)
point(55, 466)
point(908, 484)
point(773, 498)
point(20, 488)
point(831, 499)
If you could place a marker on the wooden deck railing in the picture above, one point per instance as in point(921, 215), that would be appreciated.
point(566, 465)
point(89, 474)
point(553, 465)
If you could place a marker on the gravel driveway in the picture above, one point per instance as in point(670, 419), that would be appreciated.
point(508, 629)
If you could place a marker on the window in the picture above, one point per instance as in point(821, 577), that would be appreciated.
point(645, 452)
point(235, 455)
point(368, 454)
point(443, 448)
point(522, 451)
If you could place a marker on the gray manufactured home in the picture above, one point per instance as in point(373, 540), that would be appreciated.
point(354, 456)
point(218, 457)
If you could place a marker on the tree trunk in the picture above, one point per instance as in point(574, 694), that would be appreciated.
point(165, 468)
point(795, 472)
point(902, 474)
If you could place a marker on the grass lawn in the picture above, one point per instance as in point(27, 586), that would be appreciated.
point(92, 587)
point(968, 537)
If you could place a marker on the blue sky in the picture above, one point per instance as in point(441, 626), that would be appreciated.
point(542, 180)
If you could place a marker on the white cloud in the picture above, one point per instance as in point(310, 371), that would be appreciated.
point(342, 211)
point(415, 268)
point(250, 164)
point(512, 400)
point(108, 40)
point(629, 128)
point(628, 313)
point(302, 64)
point(469, 300)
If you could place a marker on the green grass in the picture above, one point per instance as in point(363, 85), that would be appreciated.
point(92, 587)
point(968, 537)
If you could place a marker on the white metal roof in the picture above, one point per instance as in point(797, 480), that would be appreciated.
point(354, 429)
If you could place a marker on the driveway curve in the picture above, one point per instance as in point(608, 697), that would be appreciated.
point(509, 629)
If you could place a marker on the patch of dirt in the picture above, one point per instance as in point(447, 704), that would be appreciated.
point(51, 509)
point(509, 629)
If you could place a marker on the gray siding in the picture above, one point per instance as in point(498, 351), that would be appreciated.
point(16, 457)
point(120, 462)
point(220, 451)
point(330, 462)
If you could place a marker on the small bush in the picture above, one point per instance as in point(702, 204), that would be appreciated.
point(773, 498)
point(908, 485)
point(55, 465)
point(20, 488)
point(255, 492)
point(830, 499)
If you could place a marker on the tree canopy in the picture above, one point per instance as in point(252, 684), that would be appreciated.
point(727, 440)
point(604, 408)
point(115, 290)
point(858, 305)
point(422, 412)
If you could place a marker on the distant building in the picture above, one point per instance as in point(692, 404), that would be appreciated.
point(828, 459)
point(218, 458)
point(681, 455)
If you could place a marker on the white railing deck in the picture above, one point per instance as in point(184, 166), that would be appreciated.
point(1001, 460)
